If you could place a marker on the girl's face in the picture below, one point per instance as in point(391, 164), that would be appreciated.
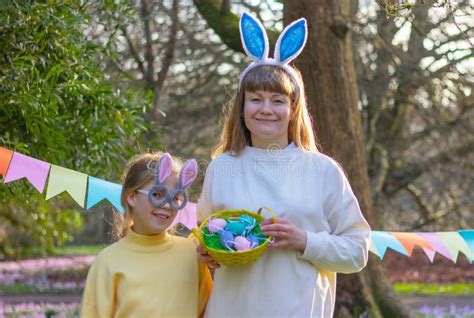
point(148, 219)
point(267, 116)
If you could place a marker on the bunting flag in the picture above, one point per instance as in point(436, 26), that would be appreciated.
point(187, 216)
point(5, 158)
point(14, 166)
point(100, 189)
point(88, 191)
point(436, 246)
point(468, 237)
point(447, 244)
point(62, 179)
point(384, 240)
point(21, 166)
point(372, 248)
point(409, 240)
point(455, 244)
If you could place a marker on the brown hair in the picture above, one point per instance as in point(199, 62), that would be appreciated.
point(139, 171)
point(235, 135)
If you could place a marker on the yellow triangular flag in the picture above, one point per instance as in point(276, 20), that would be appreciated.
point(373, 249)
point(455, 244)
point(62, 179)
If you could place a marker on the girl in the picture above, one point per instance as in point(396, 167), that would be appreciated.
point(267, 157)
point(149, 273)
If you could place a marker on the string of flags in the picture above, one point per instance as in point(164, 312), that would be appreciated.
point(87, 191)
point(447, 244)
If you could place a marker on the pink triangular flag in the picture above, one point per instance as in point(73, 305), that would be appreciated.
point(21, 166)
point(436, 244)
point(430, 253)
point(187, 216)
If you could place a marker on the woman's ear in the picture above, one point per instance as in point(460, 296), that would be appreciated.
point(131, 197)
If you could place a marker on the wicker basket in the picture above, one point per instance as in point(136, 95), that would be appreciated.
point(235, 258)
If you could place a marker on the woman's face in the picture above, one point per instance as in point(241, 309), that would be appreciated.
point(267, 116)
point(148, 219)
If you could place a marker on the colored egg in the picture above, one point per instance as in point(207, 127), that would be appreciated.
point(215, 225)
point(241, 243)
point(248, 219)
point(254, 240)
point(236, 228)
point(226, 238)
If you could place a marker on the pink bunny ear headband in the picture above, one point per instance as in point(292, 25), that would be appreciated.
point(159, 195)
point(289, 45)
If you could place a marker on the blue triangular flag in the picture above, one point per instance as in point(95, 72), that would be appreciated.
point(383, 240)
point(468, 236)
point(99, 189)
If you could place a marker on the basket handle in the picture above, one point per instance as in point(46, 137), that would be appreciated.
point(198, 234)
point(199, 212)
point(270, 211)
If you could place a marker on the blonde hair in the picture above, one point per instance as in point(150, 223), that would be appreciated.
point(235, 135)
point(139, 171)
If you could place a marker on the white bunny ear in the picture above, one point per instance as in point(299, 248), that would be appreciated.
point(291, 41)
point(253, 36)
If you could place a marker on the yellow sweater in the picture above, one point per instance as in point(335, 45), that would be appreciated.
point(147, 276)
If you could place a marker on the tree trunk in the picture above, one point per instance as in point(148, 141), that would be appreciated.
point(331, 87)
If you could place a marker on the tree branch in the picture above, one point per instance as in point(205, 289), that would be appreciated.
point(383, 166)
point(167, 60)
point(400, 178)
point(408, 71)
point(429, 217)
point(450, 39)
point(134, 52)
point(225, 7)
point(448, 66)
point(146, 18)
point(416, 193)
point(225, 23)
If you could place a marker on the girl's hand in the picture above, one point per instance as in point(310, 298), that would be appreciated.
point(206, 258)
point(285, 234)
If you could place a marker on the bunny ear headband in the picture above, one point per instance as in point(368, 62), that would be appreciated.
point(289, 45)
point(177, 199)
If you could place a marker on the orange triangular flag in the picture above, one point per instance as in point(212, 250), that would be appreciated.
point(409, 240)
point(5, 158)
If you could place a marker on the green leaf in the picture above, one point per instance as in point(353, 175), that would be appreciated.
point(56, 105)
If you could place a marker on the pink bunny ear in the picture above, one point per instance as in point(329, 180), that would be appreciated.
point(165, 167)
point(188, 173)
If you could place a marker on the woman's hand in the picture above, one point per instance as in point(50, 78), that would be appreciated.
point(206, 258)
point(285, 234)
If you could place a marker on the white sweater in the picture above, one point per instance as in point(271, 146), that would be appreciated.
point(309, 189)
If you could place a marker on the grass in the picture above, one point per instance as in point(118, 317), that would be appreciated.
point(79, 249)
point(435, 289)
point(19, 289)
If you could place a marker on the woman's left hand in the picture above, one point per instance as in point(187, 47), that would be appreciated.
point(285, 234)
